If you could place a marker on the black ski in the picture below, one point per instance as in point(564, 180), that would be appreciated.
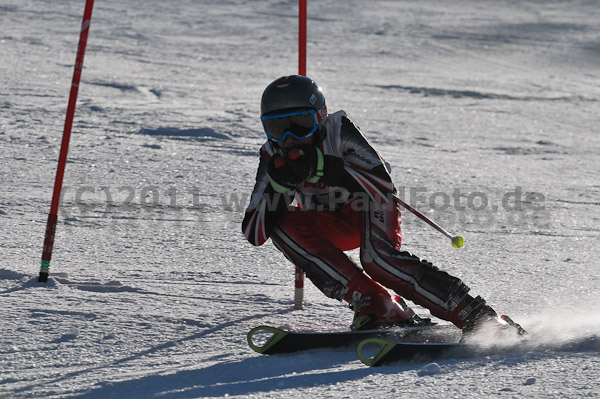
point(378, 351)
point(271, 340)
point(382, 351)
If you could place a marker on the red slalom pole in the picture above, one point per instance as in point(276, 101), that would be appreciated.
point(299, 289)
point(302, 38)
point(299, 275)
point(64, 147)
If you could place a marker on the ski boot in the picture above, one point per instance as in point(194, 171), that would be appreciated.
point(417, 319)
point(520, 330)
point(378, 310)
point(487, 320)
point(373, 305)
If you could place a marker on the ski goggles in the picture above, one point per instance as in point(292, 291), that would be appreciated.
point(298, 124)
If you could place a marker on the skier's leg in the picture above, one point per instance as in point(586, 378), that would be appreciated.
point(315, 241)
point(445, 296)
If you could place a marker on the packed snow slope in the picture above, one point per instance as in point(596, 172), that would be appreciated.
point(486, 111)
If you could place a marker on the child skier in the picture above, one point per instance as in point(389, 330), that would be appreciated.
point(345, 199)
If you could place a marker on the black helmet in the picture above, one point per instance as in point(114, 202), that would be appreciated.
point(293, 92)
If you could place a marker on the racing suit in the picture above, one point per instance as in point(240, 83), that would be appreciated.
point(356, 207)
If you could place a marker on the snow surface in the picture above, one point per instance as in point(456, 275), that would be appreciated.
point(153, 287)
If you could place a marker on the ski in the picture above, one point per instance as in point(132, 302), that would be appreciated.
point(379, 351)
point(269, 340)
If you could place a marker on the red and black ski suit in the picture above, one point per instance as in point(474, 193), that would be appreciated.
point(357, 208)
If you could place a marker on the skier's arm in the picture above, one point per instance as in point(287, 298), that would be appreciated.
point(361, 170)
point(265, 208)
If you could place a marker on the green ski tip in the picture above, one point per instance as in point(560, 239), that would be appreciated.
point(276, 335)
point(382, 346)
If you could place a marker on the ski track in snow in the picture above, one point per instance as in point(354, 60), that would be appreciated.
point(153, 287)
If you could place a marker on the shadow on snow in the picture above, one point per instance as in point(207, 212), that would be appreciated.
point(249, 376)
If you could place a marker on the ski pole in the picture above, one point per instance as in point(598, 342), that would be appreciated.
point(64, 147)
point(457, 241)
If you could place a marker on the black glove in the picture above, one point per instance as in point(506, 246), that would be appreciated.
point(282, 177)
point(306, 161)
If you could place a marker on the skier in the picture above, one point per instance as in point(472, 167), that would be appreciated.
point(344, 199)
